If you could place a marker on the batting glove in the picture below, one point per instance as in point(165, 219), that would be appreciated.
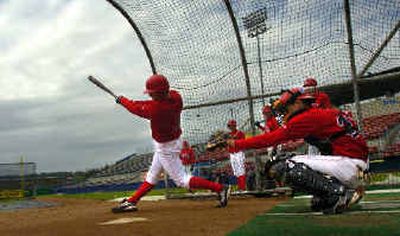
point(118, 100)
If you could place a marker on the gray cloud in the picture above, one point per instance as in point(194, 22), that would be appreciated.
point(50, 113)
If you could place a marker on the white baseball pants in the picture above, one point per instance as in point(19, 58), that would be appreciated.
point(237, 162)
point(166, 156)
point(344, 169)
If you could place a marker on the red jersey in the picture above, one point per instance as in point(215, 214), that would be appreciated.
point(237, 134)
point(187, 156)
point(320, 124)
point(271, 125)
point(322, 100)
point(164, 115)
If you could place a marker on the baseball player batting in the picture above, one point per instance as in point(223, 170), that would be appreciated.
point(164, 112)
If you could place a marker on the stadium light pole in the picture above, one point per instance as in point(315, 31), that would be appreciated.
point(255, 26)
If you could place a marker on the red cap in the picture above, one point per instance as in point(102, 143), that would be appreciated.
point(266, 109)
point(232, 123)
point(156, 83)
point(185, 144)
point(310, 82)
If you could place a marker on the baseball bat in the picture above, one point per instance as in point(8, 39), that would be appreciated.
point(101, 85)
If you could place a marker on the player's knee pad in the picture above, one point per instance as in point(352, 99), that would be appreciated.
point(275, 168)
point(276, 171)
point(302, 178)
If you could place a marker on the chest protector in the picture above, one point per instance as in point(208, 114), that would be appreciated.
point(324, 145)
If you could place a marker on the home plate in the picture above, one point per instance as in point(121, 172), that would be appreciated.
point(145, 198)
point(124, 221)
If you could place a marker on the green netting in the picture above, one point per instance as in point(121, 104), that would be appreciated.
point(194, 44)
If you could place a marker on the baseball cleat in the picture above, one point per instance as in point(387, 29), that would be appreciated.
point(223, 197)
point(125, 206)
point(317, 203)
point(341, 204)
point(356, 196)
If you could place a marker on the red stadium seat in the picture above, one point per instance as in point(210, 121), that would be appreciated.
point(375, 126)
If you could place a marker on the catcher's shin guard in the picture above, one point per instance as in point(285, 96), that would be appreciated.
point(303, 178)
point(331, 196)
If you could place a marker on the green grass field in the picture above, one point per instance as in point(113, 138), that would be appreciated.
point(377, 214)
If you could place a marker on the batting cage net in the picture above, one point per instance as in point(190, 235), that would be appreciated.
point(228, 58)
point(195, 44)
point(17, 180)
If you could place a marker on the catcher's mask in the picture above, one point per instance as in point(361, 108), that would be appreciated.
point(290, 96)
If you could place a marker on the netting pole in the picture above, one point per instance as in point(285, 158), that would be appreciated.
point(244, 63)
point(260, 68)
point(352, 63)
point(380, 49)
point(138, 33)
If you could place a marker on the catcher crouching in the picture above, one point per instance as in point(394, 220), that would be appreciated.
point(332, 177)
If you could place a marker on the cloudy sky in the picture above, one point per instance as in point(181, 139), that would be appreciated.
point(50, 114)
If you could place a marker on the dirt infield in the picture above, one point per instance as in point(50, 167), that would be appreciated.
point(168, 217)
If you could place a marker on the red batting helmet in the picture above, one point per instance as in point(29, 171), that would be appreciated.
point(232, 123)
point(156, 83)
point(266, 109)
point(310, 82)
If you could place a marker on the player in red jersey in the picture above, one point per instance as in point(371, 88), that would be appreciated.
point(321, 99)
point(344, 151)
point(237, 158)
point(187, 157)
point(164, 112)
point(271, 123)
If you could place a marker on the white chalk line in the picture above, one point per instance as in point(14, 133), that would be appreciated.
point(320, 213)
point(366, 192)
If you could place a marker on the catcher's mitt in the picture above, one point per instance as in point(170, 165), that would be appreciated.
point(217, 140)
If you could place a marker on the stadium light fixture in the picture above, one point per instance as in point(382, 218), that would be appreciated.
point(255, 24)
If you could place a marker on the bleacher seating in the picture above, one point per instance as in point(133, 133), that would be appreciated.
point(208, 156)
point(392, 150)
point(375, 126)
